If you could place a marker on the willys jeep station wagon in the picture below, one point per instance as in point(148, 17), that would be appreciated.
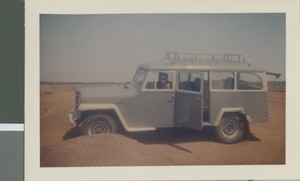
point(183, 90)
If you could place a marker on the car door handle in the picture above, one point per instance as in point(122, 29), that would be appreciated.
point(172, 98)
point(198, 98)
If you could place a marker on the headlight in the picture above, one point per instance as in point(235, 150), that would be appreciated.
point(77, 99)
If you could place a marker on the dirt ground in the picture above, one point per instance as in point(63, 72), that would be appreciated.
point(62, 147)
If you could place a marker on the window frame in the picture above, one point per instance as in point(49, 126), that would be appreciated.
point(156, 77)
point(222, 90)
point(192, 71)
point(261, 75)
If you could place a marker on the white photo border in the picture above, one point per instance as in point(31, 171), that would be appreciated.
point(33, 9)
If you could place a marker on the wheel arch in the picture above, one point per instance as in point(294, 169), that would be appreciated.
point(111, 110)
point(232, 111)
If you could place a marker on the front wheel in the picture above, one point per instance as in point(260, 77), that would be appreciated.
point(99, 124)
point(231, 129)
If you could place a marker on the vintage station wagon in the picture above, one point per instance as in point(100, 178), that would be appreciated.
point(183, 90)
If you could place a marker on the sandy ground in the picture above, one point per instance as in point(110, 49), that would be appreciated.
point(62, 147)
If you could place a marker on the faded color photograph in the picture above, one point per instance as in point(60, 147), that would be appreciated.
point(162, 89)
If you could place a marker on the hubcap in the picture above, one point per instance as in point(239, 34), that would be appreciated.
point(99, 127)
point(231, 128)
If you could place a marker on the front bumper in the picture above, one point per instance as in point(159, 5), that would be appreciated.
point(74, 116)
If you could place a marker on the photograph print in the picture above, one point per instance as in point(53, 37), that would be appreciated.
point(162, 89)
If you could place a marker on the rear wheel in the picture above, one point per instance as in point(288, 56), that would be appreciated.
point(231, 129)
point(99, 124)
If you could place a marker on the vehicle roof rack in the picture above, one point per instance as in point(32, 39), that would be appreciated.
point(187, 57)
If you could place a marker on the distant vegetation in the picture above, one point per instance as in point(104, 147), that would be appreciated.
point(276, 85)
point(272, 85)
point(78, 82)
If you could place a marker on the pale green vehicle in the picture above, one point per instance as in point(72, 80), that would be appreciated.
point(183, 90)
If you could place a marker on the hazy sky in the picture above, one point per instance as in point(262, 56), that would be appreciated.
point(110, 47)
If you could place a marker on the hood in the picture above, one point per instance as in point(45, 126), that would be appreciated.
point(107, 94)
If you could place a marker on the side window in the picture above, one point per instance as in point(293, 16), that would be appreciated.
point(184, 82)
point(196, 78)
point(222, 80)
point(151, 81)
point(165, 80)
point(191, 81)
point(159, 80)
point(249, 81)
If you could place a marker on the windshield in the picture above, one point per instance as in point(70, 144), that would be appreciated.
point(136, 74)
point(140, 76)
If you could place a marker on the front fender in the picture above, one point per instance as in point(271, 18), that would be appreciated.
point(95, 107)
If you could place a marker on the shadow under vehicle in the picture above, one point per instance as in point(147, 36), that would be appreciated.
point(223, 92)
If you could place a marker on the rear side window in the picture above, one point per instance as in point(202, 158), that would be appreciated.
point(222, 80)
point(249, 81)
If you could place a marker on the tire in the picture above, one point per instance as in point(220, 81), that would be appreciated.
point(99, 124)
point(231, 129)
